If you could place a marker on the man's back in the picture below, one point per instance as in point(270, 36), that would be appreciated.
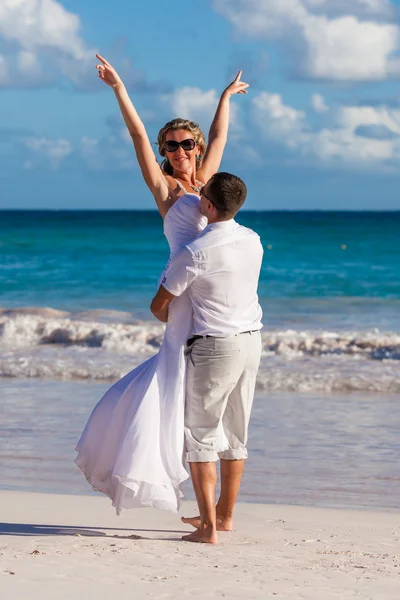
point(225, 260)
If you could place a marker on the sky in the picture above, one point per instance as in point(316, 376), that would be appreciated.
point(319, 128)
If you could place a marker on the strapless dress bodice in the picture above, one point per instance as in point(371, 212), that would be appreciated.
point(183, 222)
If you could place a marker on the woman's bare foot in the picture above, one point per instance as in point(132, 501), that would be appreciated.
point(223, 524)
point(202, 536)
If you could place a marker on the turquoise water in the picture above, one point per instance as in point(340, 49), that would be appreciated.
point(325, 424)
point(329, 289)
point(321, 269)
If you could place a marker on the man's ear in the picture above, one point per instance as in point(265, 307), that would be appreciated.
point(212, 209)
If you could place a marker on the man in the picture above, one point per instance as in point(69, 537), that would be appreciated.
point(220, 270)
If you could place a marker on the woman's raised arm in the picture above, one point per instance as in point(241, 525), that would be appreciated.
point(149, 166)
point(219, 130)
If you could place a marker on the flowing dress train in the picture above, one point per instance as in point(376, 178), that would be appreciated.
point(132, 446)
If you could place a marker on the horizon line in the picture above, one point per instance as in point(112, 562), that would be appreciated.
point(253, 210)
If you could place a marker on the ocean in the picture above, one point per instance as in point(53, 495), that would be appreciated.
point(329, 289)
point(75, 290)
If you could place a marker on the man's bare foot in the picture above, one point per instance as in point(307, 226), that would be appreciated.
point(202, 536)
point(222, 524)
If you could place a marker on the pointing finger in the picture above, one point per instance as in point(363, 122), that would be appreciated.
point(238, 76)
point(103, 60)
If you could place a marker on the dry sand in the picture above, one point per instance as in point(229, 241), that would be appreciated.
point(58, 546)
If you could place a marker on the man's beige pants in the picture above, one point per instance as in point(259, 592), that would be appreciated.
point(221, 379)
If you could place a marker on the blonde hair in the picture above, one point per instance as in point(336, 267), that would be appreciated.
point(176, 125)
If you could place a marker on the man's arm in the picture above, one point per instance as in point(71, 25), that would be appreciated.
point(180, 274)
point(160, 304)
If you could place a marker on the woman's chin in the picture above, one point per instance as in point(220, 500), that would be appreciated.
point(183, 166)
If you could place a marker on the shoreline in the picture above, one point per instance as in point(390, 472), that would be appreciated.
point(188, 500)
point(77, 544)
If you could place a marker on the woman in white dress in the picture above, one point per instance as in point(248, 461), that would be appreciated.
point(132, 446)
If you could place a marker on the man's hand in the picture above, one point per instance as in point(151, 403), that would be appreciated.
point(160, 304)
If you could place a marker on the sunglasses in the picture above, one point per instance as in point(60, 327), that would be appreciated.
point(172, 145)
point(208, 198)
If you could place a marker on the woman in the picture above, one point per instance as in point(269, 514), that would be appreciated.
point(132, 446)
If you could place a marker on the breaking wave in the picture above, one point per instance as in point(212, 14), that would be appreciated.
point(46, 326)
point(104, 345)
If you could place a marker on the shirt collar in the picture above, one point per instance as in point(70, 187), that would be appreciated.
point(222, 225)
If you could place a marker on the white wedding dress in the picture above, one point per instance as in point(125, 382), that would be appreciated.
point(132, 448)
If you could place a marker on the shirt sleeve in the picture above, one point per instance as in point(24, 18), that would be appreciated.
point(180, 273)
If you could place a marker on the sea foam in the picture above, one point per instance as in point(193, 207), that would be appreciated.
point(104, 345)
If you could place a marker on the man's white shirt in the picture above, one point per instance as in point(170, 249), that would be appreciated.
point(220, 269)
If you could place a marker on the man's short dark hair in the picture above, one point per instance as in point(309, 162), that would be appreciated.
point(227, 192)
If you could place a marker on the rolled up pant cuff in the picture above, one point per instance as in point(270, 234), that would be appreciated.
point(202, 456)
point(233, 454)
point(213, 456)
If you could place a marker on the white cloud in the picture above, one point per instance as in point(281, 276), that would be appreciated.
point(192, 103)
point(42, 42)
point(329, 39)
point(41, 23)
point(111, 153)
point(4, 70)
point(348, 49)
point(42, 36)
point(278, 120)
point(197, 105)
point(318, 103)
point(351, 117)
point(345, 147)
point(55, 151)
point(338, 141)
point(362, 8)
point(28, 62)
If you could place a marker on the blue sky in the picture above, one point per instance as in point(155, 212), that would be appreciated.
point(319, 129)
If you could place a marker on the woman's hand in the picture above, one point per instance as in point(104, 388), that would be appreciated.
point(236, 87)
point(107, 73)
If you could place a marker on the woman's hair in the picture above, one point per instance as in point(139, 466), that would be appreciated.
point(175, 125)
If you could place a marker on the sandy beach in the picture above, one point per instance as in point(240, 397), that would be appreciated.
point(60, 546)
